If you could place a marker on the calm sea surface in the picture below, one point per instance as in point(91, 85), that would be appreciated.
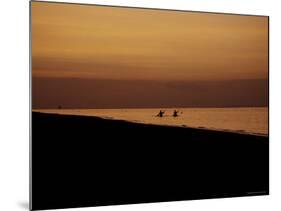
point(252, 120)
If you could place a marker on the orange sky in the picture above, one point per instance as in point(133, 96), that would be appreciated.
point(79, 41)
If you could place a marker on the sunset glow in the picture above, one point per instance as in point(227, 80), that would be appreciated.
point(80, 41)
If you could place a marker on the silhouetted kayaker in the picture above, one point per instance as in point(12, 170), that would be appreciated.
point(175, 114)
point(161, 113)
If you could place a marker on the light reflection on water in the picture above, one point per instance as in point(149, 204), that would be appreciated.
point(246, 120)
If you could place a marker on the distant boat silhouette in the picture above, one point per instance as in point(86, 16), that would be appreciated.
point(175, 114)
point(161, 113)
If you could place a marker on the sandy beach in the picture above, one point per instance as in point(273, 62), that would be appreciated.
point(121, 162)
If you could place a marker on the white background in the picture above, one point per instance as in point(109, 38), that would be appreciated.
point(14, 104)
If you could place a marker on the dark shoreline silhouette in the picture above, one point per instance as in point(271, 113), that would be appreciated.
point(83, 161)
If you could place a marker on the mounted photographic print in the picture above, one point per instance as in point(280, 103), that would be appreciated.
point(134, 105)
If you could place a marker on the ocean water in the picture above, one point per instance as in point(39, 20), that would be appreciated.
point(252, 120)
